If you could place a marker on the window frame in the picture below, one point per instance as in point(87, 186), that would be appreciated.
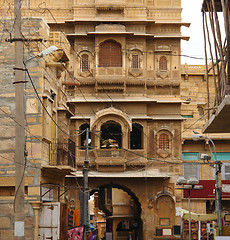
point(111, 55)
point(163, 142)
point(135, 63)
point(139, 130)
point(82, 64)
point(223, 171)
point(191, 156)
point(163, 64)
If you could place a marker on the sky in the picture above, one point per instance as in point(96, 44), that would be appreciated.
point(195, 46)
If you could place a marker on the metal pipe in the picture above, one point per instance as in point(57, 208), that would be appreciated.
point(189, 213)
point(86, 187)
point(218, 187)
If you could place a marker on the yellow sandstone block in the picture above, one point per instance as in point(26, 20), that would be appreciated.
point(34, 191)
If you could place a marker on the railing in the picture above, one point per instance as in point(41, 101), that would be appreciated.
point(110, 153)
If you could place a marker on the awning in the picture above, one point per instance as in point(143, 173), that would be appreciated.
point(199, 216)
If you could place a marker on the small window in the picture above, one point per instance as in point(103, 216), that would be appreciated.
point(136, 136)
point(84, 63)
point(225, 171)
point(110, 54)
point(190, 156)
point(163, 141)
point(221, 156)
point(191, 170)
point(135, 61)
point(187, 116)
point(83, 128)
point(163, 63)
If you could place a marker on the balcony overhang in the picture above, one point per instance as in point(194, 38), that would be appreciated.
point(219, 122)
point(93, 99)
point(127, 174)
point(58, 170)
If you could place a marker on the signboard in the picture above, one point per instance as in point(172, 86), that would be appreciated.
point(208, 190)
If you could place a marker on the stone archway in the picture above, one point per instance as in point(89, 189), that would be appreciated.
point(136, 222)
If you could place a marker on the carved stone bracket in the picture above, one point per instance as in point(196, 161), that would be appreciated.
point(163, 74)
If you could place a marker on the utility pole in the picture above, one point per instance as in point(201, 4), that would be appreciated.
point(19, 227)
point(86, 186)
point(218, 185)
point(218, 194)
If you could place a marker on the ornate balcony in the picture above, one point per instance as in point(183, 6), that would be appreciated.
point(110, 157)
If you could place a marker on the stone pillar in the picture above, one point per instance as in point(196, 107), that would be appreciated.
point(36, 207)
point(147, 217)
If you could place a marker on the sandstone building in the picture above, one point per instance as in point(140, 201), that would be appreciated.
point(117, 72)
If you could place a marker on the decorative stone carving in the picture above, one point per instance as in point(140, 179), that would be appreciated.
point(163, 153)
point(135, 72)
point(110, 28)
point(163, 74)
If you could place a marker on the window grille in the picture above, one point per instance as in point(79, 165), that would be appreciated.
point(225, 171)
point(163, 63)
point(191, 170)
point(163, 141)
point(135, 61)
point(110, 54)
point(84, 63)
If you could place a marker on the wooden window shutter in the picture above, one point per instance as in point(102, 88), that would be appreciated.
point(163, 63)
point(110, 54)
point(135, 61)
point(84, 63)
point(163, 141)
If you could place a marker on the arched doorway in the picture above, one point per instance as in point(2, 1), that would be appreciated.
point(122, 210)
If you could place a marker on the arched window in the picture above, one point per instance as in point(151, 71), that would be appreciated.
point(136, 136)
point(163, 141)
point(163, 63)
point(165, 211)
point(135, 61)
point(84, 63)
point(111, 135)
point(110, 54)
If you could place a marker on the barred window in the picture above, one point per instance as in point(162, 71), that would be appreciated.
point(84, 63)
point(135, 61)
point(110, 54)
point(163, 141)
point(163, 63)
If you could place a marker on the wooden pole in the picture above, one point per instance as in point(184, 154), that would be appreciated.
point(206, 65)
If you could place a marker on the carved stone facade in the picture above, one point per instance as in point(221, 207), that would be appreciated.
point(118, 73)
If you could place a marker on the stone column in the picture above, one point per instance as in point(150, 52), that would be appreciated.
point(36, 207)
